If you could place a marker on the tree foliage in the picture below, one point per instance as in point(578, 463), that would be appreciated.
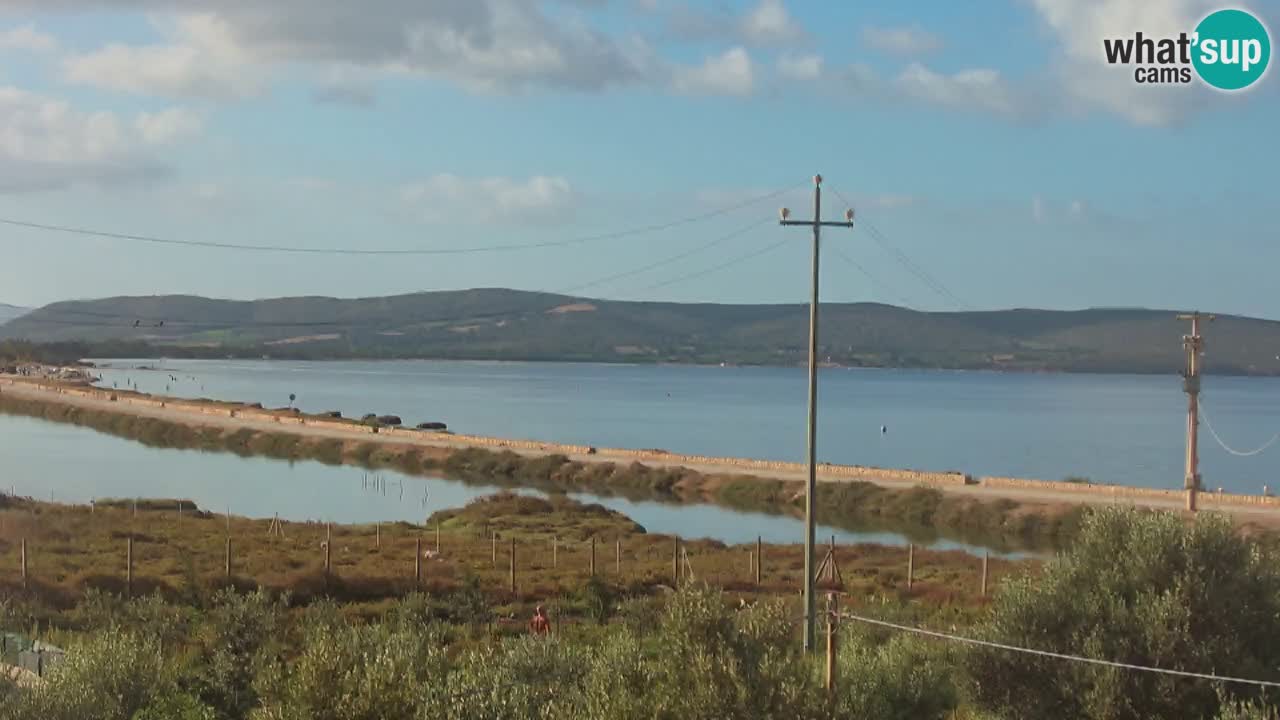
point(1140, 588)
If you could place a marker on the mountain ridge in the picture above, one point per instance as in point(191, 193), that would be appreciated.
point(499, 323)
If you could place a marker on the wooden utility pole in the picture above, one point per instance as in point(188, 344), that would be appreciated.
point(810, 496)
point(1194, 345)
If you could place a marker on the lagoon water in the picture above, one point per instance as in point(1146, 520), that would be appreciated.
point(66, 463)
point(1121, 429)
point(1109, 428)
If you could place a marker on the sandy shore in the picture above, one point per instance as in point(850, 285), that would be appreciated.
point(1253, 509)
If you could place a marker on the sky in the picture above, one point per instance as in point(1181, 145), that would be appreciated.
point(992, 157)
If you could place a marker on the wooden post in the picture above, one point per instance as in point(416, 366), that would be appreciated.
point(494, 558)
point(513, 566)
point(675, 564)
point(24, 562)
point(228, 558)
point(759, 559)
point(593, 556)
point(555, 552)
point(911, 561)
point(417, 559)
point(377, 535)
point(437, 538)
point(328, 551)
point(617, 549)
point(984, 572)
point(831, 642)
point(128, 561)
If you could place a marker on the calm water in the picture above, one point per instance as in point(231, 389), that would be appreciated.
point(72, 464)
point(1110, 428)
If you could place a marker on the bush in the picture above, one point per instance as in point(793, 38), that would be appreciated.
point(1142, 588)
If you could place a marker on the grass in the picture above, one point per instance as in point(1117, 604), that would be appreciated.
point(74, 548)
point(923, 514)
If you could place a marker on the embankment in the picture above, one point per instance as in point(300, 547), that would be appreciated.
point(922, 512)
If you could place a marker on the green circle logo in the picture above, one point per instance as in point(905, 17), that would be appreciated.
point(1232, 49)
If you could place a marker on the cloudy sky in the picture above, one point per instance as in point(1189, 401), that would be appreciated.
point(1001, 162)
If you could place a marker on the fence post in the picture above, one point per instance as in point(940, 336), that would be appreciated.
point(494, 550)
point(593, 556)
point(675, 564)
point(984, 572)
point(911, 561)
point(128, 561)
point(417, 560)
point(437, 538)
point(617, 548)
point(328, 551)
point(555, 552)
point(759, 559)
point(831, 642)
point(377, 535)
point(513, 566)
point(24, 562)
point(228, 558)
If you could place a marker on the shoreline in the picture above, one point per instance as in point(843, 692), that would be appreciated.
point(233, 415)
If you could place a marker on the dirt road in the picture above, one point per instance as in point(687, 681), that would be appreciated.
point(1039, 493)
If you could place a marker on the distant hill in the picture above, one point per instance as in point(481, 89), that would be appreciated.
point(517, 325)
point(9, 312)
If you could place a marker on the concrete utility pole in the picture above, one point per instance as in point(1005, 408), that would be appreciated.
point(1194, 345)
point(810, 602)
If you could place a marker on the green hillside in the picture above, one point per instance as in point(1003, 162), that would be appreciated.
point(517, 325)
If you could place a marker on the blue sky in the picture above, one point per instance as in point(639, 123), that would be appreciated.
point(988, 142)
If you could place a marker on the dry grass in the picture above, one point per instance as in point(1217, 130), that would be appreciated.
point(71, 548)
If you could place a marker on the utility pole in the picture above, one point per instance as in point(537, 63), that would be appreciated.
point(810, 602)
point(1194, 345)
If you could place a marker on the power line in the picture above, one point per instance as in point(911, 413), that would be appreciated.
point(145, 323)
point(910, 265)
point(666, 261)
point(1058, 656)
point(717, 268)
point(866, 273)
point(1229, 449)
point(656, 227)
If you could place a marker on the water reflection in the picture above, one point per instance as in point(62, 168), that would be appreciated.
point(73, 464)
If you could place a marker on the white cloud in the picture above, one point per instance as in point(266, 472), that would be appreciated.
point(1089, 83)
point(26, 37)
point(450, 197)
point(727, 74)
point(978, 89)
point(800, 67)
point(203, 60)
point(769, 22)
point(168, 125)
point(901, 40)
point(47, 144)
point(223, 49)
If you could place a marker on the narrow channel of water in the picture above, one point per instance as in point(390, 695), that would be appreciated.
point(66, 463)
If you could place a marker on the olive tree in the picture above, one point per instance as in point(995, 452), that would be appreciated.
point(1142, 588)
